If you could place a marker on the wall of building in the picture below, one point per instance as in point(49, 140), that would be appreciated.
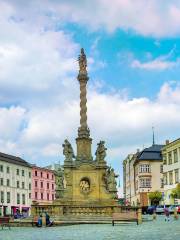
point(43, 185)
point(14, 180)
point(171, 169)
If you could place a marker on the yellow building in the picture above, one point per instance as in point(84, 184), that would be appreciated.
point(171, 169)
point(144, 174)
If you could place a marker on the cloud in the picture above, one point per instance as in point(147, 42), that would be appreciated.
point(156, 64)
point(144, 18)
point(160, 64)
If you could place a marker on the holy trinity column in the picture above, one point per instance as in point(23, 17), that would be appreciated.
point(83, 140)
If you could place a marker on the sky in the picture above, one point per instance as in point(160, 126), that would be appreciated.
point(133, 54)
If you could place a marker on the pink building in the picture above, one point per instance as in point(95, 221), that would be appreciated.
point(43, 185)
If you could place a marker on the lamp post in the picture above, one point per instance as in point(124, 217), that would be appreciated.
point(2, 202)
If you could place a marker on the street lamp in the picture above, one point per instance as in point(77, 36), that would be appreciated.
point(2, 202)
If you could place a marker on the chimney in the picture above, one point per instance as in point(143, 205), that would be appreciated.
point(167, 141)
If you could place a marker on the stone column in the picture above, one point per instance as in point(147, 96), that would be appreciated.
point(83, 141)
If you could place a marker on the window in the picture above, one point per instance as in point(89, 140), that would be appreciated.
point(164, 159)
point(162, 182)
point(47, 185)
point(165, 179)
point(23, 199)
point(7, 170)
point(18, 198)
point(161, 168)
point(8, 183)
point(47, 176)
point(52, 176)
point(29, 195)
point(171, 177)
point(48, 196)
point(175, 156)
point(53, 186)
point(29, 186)
point(23, 173)
point(41, 184)
point(176, 172)
point(41, 196)
point(17, 171)
point(41, 174)
point(8, 197)
point(1, 182)
point(36, 183)
point(144, 168)
point(36, 195)
point(1, 168)
point(17, 184)
point(2, 197)
point(145, 182)
point(53, 197)
point(23, 185)
point(29, 174)
point(36, 173)
point(169, 158)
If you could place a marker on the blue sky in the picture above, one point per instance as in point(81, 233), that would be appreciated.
point(133, 52)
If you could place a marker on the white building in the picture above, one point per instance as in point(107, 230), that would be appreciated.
point(15, 185)
point(171, 169)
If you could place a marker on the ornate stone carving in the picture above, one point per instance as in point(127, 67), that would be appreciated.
point(84, 186)
point(100, 152)
point(68, 151)
point(59, 183)
point(82, 62)
point(110, 181)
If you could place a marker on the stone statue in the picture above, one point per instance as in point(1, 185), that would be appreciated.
point(82, 62)
point(68, 151)
point(59, 183)
point(110, 180)
point(100, 152)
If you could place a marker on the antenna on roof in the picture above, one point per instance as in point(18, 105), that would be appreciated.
point(153, 135)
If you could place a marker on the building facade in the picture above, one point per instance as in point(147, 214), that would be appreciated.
point(15, 185)
point(43, 185)
point(144, 175)
point(171, 169)
point(128, 178)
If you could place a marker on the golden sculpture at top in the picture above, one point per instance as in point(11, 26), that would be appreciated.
point(82, 62)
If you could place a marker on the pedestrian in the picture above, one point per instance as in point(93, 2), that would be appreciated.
point(166, 213)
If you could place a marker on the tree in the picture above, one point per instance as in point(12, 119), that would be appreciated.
point(176, 192)
point(155, 197)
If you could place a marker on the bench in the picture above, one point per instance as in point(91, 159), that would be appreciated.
point(4, 222)
point(124, 216)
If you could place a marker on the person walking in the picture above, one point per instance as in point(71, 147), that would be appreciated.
point(166, 213)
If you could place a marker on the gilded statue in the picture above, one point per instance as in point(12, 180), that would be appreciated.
point(82, 62)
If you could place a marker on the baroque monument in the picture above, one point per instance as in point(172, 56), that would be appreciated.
point(87, 181)
point(86, 185)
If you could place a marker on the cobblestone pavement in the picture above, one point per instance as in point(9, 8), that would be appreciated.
point(151, 230)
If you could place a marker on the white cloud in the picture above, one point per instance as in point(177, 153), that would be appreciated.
point(157, 64)
point(149, 18)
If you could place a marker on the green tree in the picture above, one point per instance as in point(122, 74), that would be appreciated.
point(176, 192)
point(155, 197)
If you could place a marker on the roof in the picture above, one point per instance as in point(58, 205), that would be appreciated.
point(152, 153)
point(13, 160)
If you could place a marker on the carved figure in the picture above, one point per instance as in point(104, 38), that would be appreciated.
point(68, 151)
point(59, 183)
point(101, 152)
point(82, 62)
point(84, 186)
point(111, 180)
